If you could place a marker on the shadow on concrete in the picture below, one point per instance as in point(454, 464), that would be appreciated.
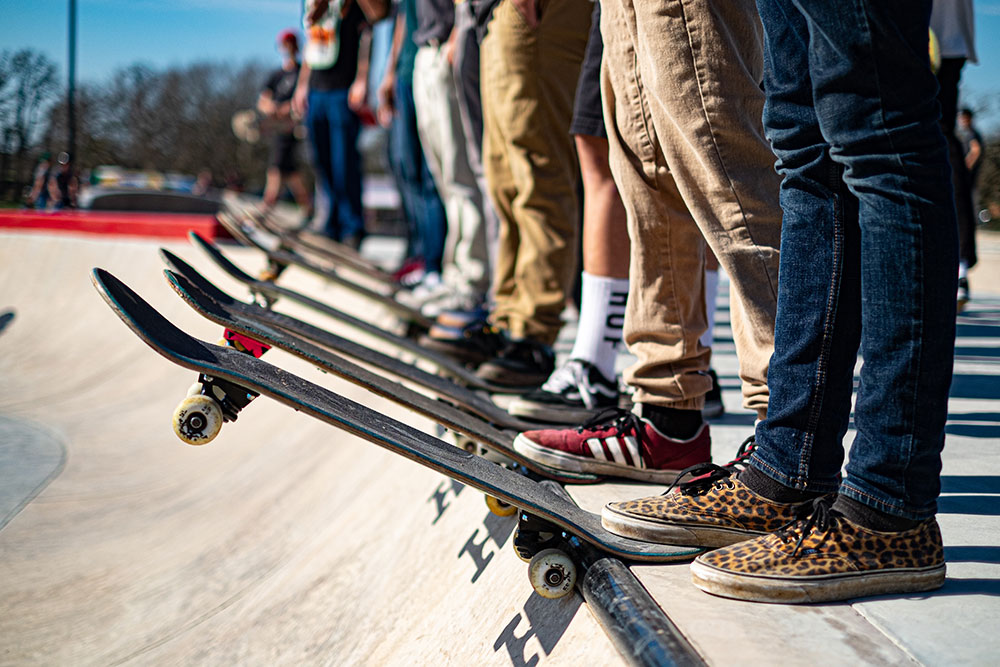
point(974, 505)
point(989, 353)
point(970, 484)
point(953, 586)
point(972, 554)
point(6, 317)
point(547, 622)
point(988, 426)
point(495, 529)
point(975, 386)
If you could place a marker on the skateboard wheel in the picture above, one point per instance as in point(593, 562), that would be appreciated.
point(197, 420)
point(194, 390)
point(552, 574)
point(499, 507)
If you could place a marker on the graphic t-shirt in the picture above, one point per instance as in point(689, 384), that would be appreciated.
point(341, 74)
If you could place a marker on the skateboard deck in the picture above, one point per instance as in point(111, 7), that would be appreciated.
point(532, 499)
point(448, 413)
point(270, 292)
point(302, 240)
point(279, 258)
point(288, 332)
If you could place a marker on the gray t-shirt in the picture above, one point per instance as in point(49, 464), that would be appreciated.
point(435, 19)
point(954, 24)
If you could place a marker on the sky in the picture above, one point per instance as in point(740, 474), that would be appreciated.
point(115, 33)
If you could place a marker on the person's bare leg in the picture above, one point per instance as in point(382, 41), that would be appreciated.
point(605, 236)
point(273, 187)
point(299, 191)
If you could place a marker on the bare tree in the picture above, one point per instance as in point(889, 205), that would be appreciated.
point(28, 84)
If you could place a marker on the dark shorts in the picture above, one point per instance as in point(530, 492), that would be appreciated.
point(283, 151)
point(588, 114)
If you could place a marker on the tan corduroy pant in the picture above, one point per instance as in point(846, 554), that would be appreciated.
point(528, 84)
point(683, 106)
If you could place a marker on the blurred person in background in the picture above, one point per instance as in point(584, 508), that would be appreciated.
point(465, 270)
point(63, 184)
point(332, 88)
point(530, 62)
point(953, 23)
point(39, 196)
point(275, 104)
point(422, 208)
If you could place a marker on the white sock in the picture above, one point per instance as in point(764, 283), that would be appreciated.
point(602, 315)
point(963, 269)
point(711, 294)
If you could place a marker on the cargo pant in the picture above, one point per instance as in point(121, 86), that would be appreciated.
point(682, 101)
point(529, 80)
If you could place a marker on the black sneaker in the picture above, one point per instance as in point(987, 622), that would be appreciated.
point(521, 363)
point(574, 393)
point(471, 344)
point(714, 407)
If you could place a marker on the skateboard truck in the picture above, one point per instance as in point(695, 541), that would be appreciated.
point(551, 553)
point(211, 401)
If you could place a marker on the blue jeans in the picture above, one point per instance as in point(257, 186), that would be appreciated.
point(868, 252)
point(421, 204)
point(333, 133)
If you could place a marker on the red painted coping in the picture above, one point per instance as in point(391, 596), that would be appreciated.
point(114, 223)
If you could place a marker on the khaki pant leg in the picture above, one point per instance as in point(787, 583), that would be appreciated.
point(701, 63)
point(529, 82)
point(494, 75)
point(665, 315)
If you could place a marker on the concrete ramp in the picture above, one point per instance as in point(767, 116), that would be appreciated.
point(282, 542)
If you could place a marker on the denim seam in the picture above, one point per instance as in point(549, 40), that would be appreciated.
point(829, 317)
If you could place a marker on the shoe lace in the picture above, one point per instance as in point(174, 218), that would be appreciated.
point(705, 476)
point(818, 514)
point(623, 421)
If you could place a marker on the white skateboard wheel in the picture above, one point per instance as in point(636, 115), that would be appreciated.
point(197, 420)
point(552, 574)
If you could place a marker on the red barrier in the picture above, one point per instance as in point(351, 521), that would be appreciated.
point(114, 223)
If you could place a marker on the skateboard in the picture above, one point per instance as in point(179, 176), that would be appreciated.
point(306, 242)
point(286, 332)
point(453, 413)
point(251, 126)
point(279, 259)
point(269, 292)
point(552, 532)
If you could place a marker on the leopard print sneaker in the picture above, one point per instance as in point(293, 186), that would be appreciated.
point(715, 509)
point(824, 558)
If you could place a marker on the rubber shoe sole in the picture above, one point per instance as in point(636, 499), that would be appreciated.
point(653, 530)
point(551, 413)
point(561, 461)
point(829, 588)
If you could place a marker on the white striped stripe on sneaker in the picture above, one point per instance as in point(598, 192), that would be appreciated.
point(615, 448)
point(595, 448)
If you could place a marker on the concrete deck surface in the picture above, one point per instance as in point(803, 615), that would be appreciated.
point(287, 542)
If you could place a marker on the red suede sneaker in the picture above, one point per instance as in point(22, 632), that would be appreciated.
point(616, 443)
